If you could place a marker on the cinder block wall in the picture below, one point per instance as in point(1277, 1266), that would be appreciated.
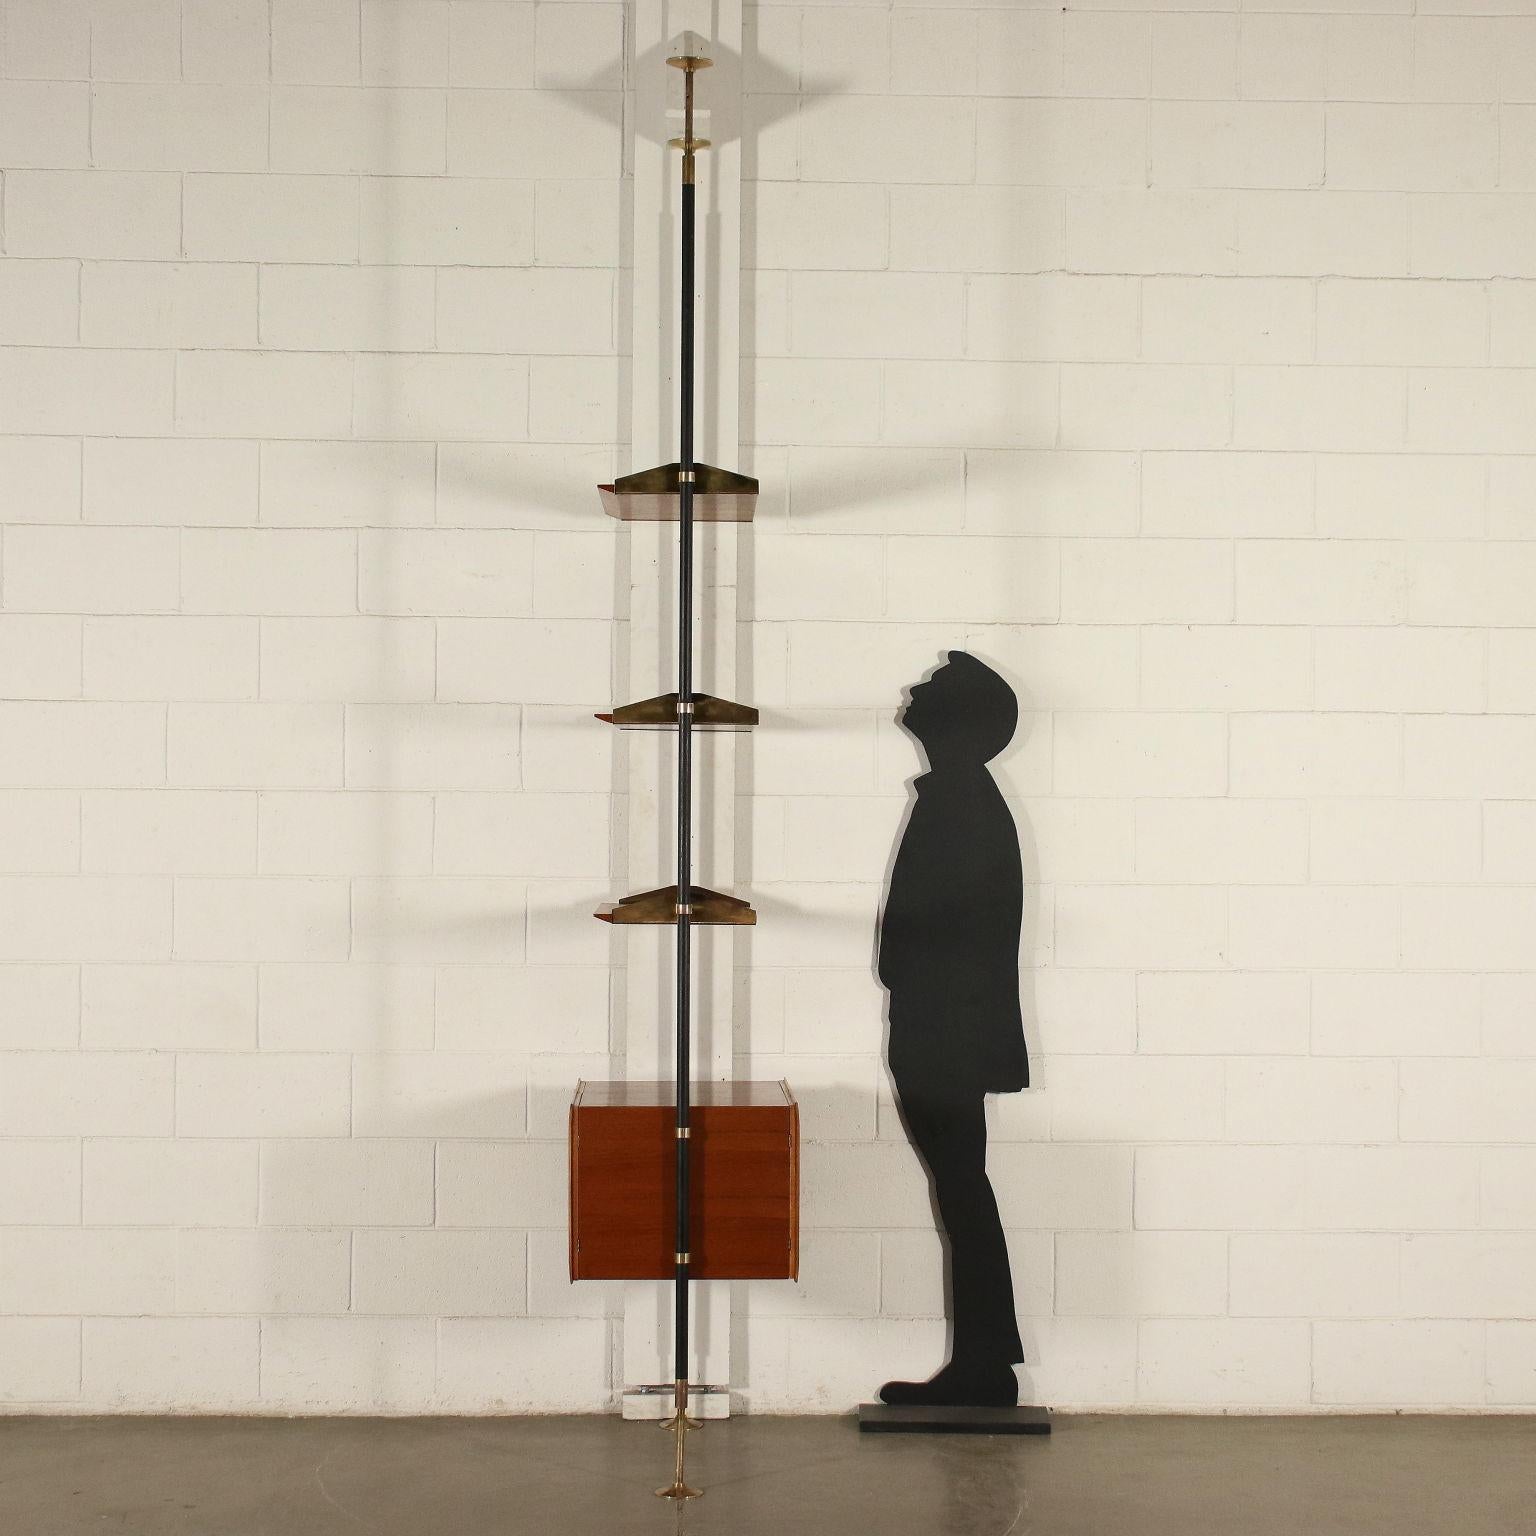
point(309, 372)
point(1178, 363)
point(1181, 363)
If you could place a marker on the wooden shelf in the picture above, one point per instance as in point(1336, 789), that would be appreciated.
point(659, 908)
point(651, 495)
point(660, 713)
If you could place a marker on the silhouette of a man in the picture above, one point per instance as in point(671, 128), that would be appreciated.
point(949, 957)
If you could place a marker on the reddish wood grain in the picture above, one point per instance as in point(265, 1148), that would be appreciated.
point(745, 1184)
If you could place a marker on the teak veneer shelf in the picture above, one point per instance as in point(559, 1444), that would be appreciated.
point(660, 713)
point(659, 907)
point(743, 1190)
point(655, 495)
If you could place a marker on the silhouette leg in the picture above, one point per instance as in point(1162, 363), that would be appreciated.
point(981, 1280)
point(950, 1136)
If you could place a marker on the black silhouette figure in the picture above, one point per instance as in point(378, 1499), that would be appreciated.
point(949, 957)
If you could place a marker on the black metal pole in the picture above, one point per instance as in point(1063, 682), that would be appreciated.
point(684, 746)
point(689, 59)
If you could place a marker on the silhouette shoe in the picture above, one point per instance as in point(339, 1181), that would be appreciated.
point(958, 1386)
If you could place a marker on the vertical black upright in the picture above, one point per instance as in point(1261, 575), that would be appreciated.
point(690, 59)
point(684, 753)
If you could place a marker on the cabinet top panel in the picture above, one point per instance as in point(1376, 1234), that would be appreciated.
point(705, 1095)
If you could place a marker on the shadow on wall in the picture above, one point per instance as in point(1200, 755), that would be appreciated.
point(399, 1248)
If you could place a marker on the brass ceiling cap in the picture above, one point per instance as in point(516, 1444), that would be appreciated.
point(688, 53)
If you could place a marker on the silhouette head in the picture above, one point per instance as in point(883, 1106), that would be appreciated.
point(964, 714)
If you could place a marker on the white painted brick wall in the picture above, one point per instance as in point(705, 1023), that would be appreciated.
point(1178, 362)
point(1223, 465)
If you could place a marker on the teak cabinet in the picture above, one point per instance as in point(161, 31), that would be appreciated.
point(744, 1186)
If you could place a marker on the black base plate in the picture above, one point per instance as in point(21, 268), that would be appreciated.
point(929, 1419)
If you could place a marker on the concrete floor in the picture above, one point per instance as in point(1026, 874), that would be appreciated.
point(1096, 1476)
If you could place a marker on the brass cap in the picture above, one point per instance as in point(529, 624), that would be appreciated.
point(689, 52)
